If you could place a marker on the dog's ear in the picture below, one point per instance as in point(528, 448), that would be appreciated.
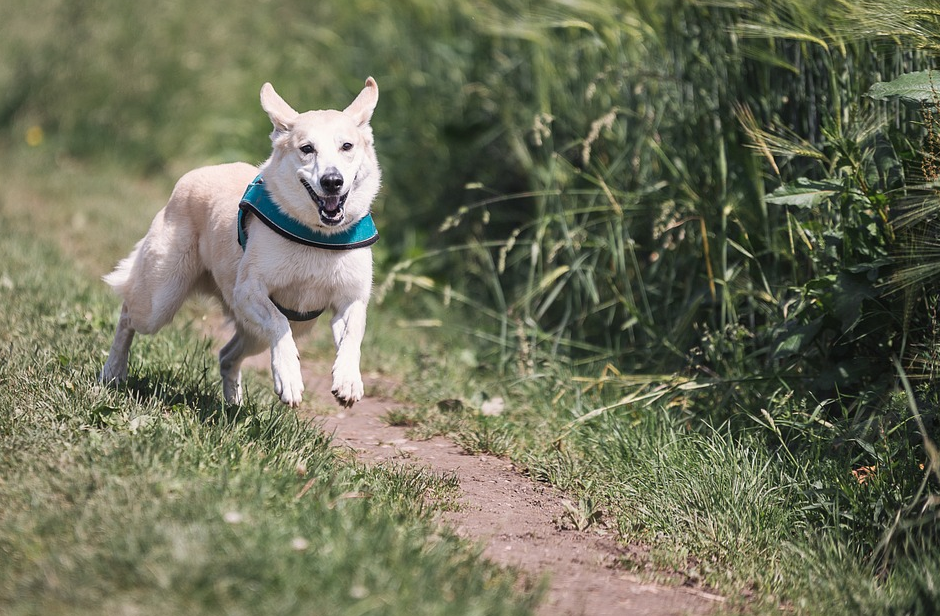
point(282, 115)
point(361, 109)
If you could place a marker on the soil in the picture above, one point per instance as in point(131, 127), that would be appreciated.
point(516, 519)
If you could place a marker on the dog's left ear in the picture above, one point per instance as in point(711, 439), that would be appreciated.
point(361, 109)
point(282, 115)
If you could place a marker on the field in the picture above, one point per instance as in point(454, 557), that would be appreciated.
point(691, 244)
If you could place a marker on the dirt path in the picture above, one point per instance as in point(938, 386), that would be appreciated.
point(513, 516)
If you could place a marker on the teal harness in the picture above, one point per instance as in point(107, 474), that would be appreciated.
point(257, 200)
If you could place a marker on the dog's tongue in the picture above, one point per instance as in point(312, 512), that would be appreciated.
point(330, 204)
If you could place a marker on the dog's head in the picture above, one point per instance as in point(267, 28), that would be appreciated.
point(323, 169)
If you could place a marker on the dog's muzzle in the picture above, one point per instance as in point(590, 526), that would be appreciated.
point(331, 207)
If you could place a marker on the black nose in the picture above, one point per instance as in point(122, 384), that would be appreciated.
point(332, 182)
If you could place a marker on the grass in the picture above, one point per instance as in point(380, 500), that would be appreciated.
point(159, 499)
point(779, 511)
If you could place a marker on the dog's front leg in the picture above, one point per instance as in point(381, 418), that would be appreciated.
point(349, 326)
point(256, 311)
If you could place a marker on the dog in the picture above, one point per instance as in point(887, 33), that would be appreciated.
point(277, 244)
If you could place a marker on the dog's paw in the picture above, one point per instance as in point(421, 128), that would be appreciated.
point(288, 382)
point(232, 388)
point(112, 375)
point(347, 386)
point(289, 389)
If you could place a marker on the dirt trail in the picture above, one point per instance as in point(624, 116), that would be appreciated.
point(514, 517)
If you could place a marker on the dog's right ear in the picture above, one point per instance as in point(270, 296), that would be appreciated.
point(282, 115)
point(362, 108)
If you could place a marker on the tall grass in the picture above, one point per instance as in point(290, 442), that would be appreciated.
point(713, 196)
point(649, 229)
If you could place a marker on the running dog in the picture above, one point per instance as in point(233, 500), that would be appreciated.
point(276, 244)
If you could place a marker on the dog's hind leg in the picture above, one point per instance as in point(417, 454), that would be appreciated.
point(154, 281)
point(241, 345)
point(115, 369)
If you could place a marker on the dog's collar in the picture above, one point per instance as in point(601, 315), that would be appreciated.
point(257, 200)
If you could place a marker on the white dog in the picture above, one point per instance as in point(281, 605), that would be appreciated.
point(292, 245)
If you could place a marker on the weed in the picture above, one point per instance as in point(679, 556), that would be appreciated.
point(485, 436)
point(581, 515)
point(400, 418)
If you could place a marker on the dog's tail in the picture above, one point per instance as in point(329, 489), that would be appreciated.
point(119, 279)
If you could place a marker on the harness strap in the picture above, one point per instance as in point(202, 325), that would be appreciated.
point(257, 201)
point(293, 315)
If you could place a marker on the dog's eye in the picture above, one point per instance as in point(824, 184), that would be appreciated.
point(307, 149)
point(346, 147)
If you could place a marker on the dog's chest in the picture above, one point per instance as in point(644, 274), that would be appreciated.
point(314, 278)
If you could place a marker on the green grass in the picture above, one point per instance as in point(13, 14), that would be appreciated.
point(158, 498)
point(766, 511)
point(767, 523)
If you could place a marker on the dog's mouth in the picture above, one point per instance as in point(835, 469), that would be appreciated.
point(331, 208)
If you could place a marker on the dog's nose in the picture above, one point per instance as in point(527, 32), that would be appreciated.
point(332, 182)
